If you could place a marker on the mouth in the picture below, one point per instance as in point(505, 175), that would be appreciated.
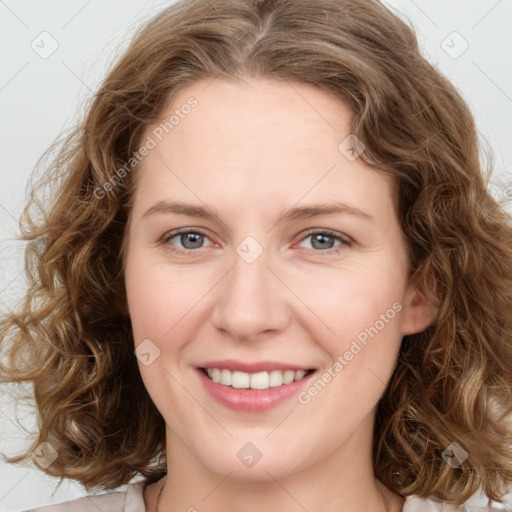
point(253, 386)
point(254, 381)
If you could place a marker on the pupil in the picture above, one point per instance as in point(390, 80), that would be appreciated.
point(322, 239)
point(191, 240)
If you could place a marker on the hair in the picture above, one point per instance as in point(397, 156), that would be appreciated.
point(71, 336)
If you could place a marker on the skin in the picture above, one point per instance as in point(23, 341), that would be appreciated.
point(249, 151)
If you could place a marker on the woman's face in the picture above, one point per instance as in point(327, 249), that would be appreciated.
point(293, 261)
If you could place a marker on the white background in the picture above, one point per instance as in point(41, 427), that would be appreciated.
point(41, 97)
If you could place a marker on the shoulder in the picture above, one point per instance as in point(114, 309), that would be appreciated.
point(416, 504)
point(129, 500)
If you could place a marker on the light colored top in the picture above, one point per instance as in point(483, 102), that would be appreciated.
point(132, 500)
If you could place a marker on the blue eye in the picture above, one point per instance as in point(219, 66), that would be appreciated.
point(323, 240)
point(190, 239)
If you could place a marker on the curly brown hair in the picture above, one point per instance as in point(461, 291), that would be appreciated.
point(72, 336)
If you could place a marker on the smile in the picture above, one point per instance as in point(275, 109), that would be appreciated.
point(259, 380)
point(252, 386)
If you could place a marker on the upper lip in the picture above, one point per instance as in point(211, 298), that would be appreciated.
point(253, 367)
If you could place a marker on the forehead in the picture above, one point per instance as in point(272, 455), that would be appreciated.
point(283, 113)
point(247, 140)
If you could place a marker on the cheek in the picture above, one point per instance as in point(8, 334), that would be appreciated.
point(360, 298)
point(159, 299)
point(161, 308)
point(361, 337)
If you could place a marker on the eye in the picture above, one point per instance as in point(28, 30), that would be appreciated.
point(190, 239)
point(323, 240)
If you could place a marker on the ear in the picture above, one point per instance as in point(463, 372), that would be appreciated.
point(417, 313)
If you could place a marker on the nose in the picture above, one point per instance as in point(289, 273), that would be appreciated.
point(253, 301)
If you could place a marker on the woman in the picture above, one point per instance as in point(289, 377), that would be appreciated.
point(278, 208)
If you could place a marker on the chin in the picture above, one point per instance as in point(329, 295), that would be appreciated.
point(261, 461)
point(260, 472)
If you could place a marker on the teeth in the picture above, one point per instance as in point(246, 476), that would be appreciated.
point(275, 378)
point(240, 379)
point(288, 376)
point(260, 380)
point(226, 378)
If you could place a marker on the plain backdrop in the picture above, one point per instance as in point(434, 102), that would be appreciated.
point(54, 54)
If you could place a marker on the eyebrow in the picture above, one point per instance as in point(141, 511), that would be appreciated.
point(299, 212)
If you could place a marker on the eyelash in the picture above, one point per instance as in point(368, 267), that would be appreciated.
point(344, 240)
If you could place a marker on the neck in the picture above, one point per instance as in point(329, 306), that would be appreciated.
point(329, 486)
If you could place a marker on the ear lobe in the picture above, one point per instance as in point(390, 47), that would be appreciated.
point(418, 313)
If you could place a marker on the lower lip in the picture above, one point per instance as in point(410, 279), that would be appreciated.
point(252, 400)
